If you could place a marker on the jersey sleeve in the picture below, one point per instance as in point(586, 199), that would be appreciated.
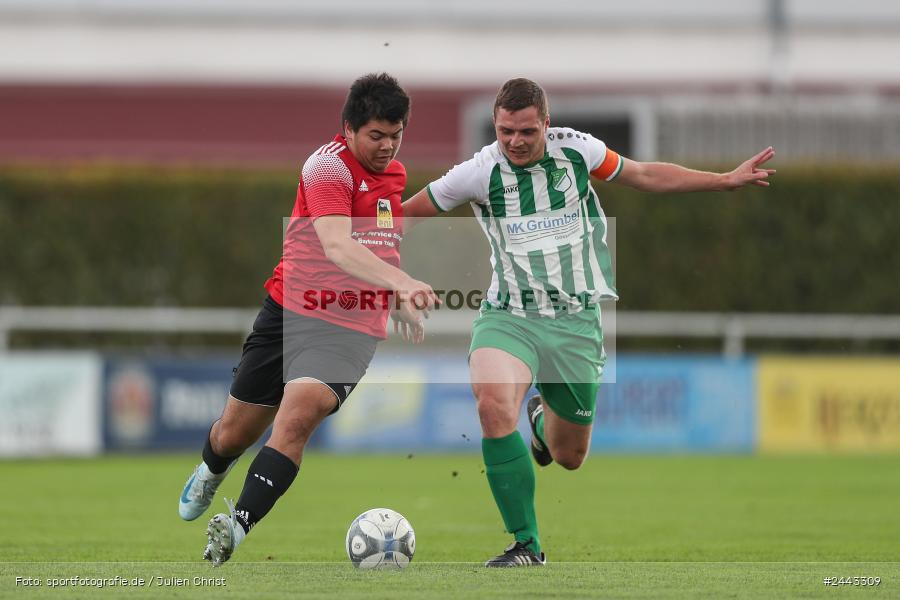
point(461, 184)
point(603, 162)
point(327, 185)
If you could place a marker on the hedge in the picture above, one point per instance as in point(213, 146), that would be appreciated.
point(816, 241)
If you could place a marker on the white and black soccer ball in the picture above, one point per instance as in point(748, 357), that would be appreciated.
point(380, 538)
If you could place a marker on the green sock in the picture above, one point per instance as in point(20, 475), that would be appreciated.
point(511, 477)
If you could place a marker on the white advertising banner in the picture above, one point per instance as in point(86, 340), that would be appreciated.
point(50, 404)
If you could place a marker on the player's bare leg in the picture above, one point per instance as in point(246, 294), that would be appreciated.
point(240, 425)
point(500, 381)
point(568, 442)
point(305, 405)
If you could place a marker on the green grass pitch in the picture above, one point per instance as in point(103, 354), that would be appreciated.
point(620, 527)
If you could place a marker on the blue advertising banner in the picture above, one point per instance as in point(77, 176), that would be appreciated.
point(163, 403)
point(675, 404)
point(658, 404)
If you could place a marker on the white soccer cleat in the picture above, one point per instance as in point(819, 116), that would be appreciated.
point(223, 534)
point(199, 491)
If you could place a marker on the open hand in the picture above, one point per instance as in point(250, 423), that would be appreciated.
point(408, 323)
point(750, 173)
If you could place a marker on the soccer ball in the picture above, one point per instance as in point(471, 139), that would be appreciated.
point(380, 538)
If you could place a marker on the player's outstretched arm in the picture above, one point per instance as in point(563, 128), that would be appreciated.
point(668, 177)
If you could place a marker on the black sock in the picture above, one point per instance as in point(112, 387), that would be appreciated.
point(217, 464)
point(270, 475)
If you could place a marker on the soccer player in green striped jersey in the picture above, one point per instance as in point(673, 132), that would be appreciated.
point(539, 320)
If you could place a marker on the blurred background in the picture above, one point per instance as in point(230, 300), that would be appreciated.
point(149, 151)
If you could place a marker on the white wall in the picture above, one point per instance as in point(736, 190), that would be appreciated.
point(575, 42)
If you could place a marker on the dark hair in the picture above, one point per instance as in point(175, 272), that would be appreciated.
point(520, 93)
point(375, 96)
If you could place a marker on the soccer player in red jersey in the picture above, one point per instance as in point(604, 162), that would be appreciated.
point(327, 308)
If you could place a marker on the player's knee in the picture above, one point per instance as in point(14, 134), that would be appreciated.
point(295, 424)
point(231, 439)
point(489, 409)
point(571, 459)
point(296, 430)
point(491, 398)
point(496, 412)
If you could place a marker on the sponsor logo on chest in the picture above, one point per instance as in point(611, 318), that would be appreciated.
point(544, 231)
point(385, 218)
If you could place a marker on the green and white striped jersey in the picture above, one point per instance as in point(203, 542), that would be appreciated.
point(547, 231)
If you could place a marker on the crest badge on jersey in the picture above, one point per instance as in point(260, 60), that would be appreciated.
point(560, 180)
point(385, 218)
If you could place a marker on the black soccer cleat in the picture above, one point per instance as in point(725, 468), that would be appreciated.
point(517, 554)
point(539, 451)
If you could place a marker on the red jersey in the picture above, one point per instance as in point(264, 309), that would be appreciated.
point(305, 281)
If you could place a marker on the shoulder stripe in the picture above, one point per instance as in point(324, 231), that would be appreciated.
point(326, 168)
point(332, 148)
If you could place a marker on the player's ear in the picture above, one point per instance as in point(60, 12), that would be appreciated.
point(348, 130)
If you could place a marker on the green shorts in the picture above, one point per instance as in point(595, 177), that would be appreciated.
point(565, 355)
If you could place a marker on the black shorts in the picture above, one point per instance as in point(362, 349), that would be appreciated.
point(285, 346)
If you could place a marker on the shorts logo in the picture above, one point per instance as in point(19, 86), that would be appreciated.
point(385, 216)
point(583, 413)
point(560, 180)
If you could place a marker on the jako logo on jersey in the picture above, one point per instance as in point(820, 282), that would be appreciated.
point(583, 413)
point(560, 180)
point(511, 189)
point(363, 187)
point(385, 216)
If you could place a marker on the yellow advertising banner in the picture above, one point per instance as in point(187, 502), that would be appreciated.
point(828, 404)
